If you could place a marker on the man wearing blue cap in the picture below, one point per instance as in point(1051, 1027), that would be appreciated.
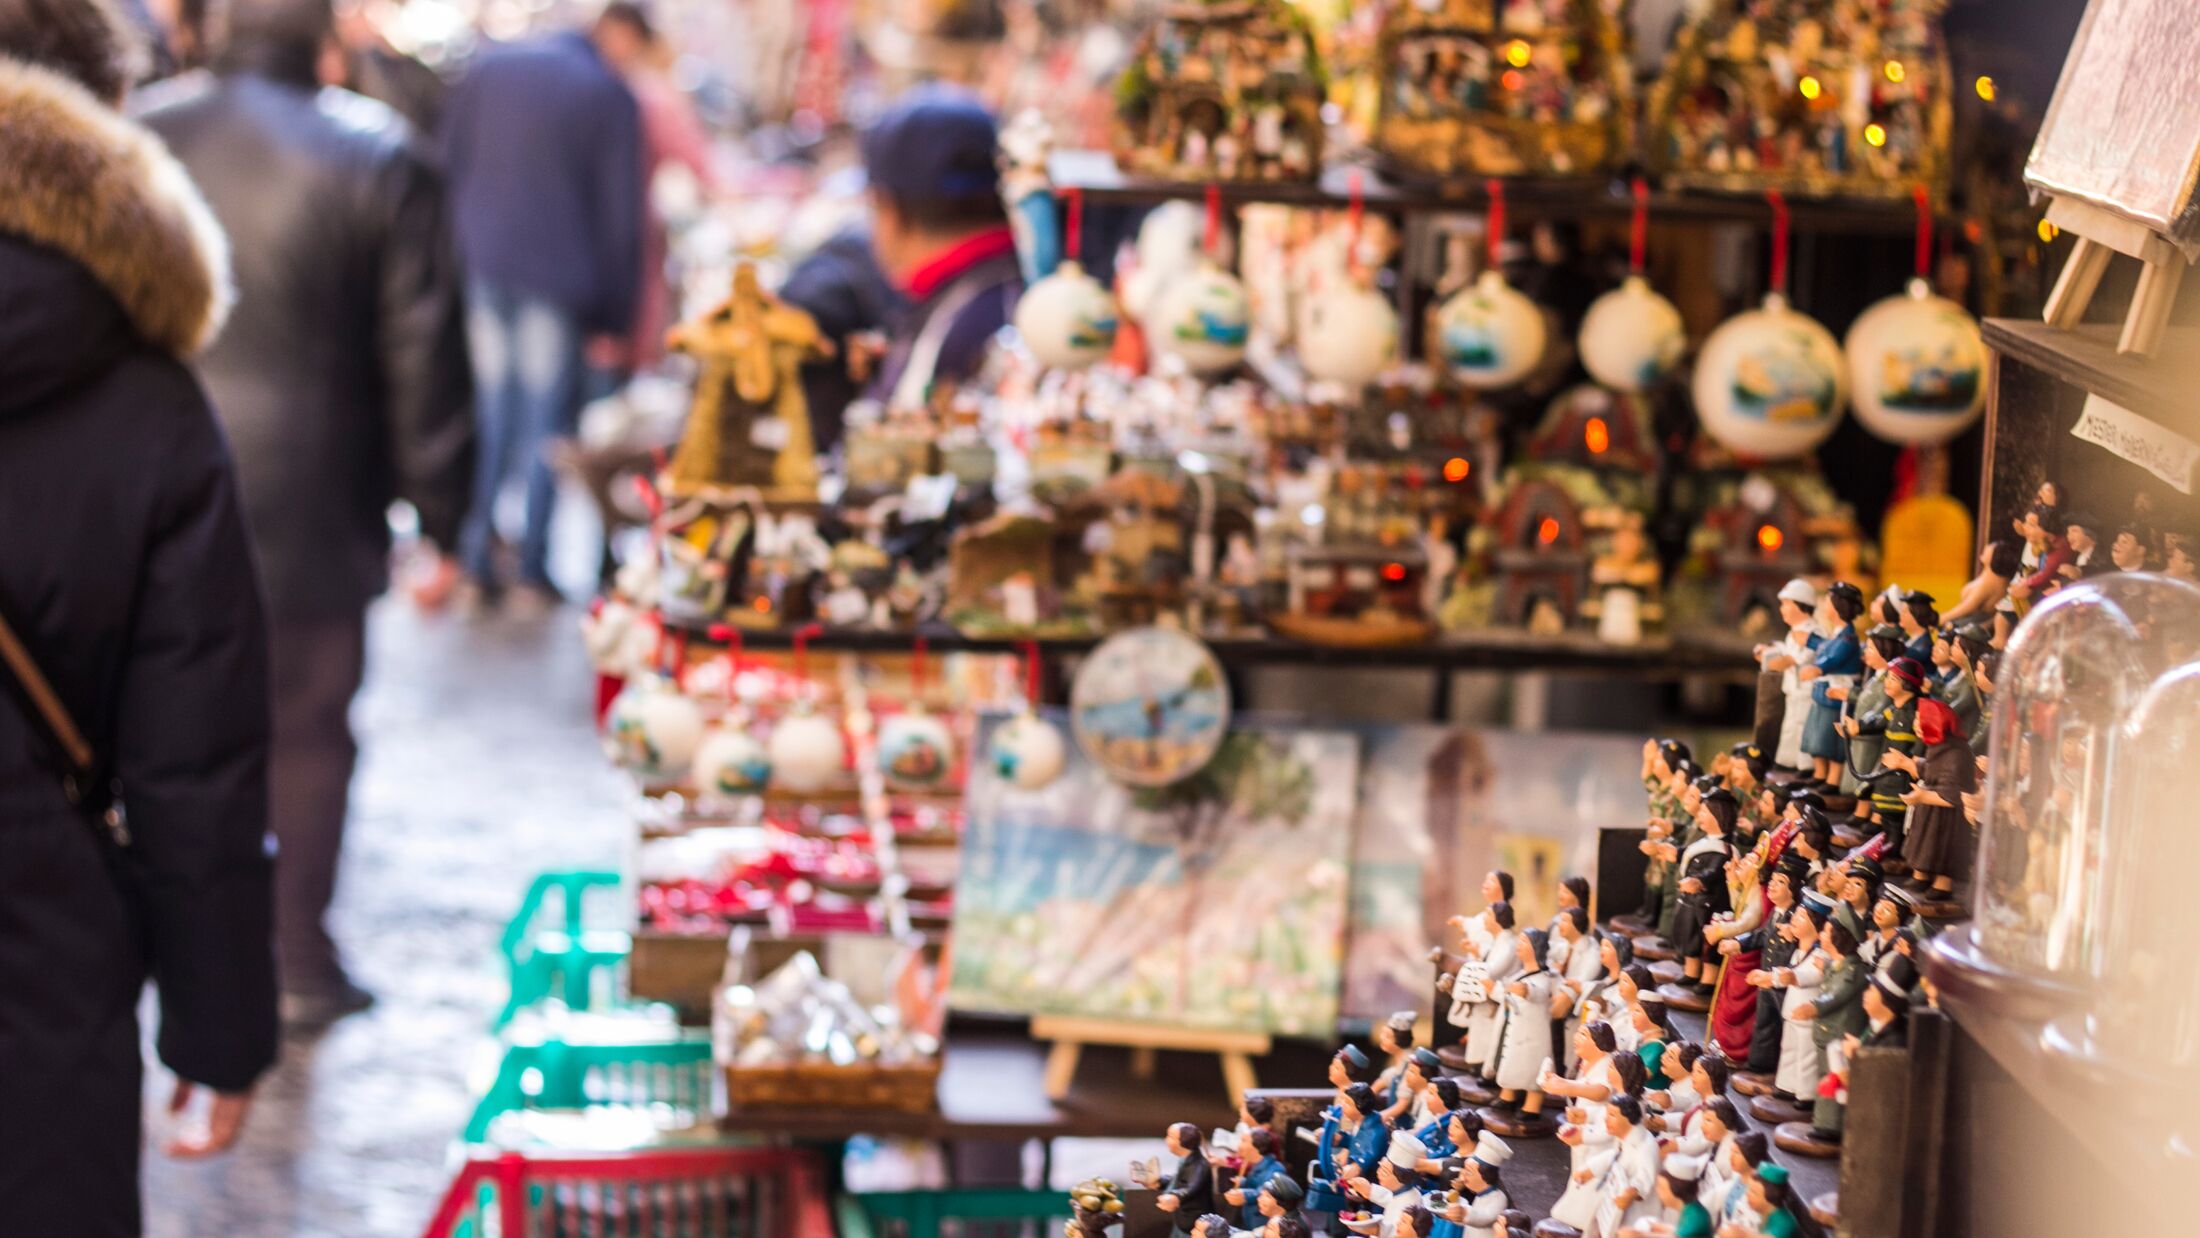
point(942, 237)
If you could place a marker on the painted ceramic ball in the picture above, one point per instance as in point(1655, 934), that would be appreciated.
point(1770, 383)
point(807, 752)
point(1027, 751)
point(1348, 335)
point(1489, 334)
point(732, 762)
point(1917, 368)
point(1631, 337)
point(1067, 319)
point(915, 750)
point(652, 731)
point(1204, 319)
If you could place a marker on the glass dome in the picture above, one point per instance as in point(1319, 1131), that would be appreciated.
point(2068, 840)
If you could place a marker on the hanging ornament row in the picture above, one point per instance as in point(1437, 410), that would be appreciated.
point(1489, 334)
point(1770, 383)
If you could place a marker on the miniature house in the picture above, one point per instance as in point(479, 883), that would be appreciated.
point(1350, 582)
point(1541, 553)
point(1502, 88)
point(1826, 97)
point(1223, 90)
point(1595, 427)
point(1761, 549)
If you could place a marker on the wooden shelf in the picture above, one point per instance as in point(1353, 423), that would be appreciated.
point(1096, 175)
point(2161, 387)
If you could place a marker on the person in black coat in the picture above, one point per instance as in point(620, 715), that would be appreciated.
point(1190, 1192)
point(343, 383)
point(126, 572)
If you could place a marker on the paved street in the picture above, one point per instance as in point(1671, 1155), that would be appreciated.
point(479, 770)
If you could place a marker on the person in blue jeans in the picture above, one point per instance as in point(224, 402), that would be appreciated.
point(542, 146)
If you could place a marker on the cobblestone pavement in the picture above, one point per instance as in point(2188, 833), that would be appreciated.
point(479, 769)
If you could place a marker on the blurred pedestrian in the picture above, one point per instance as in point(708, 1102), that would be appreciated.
point(361, 59)
point(941, 235)
point(542, 143)
point(342, 382)
point(127, 586)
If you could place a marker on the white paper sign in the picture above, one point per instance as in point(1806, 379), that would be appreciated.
point(2164, 453)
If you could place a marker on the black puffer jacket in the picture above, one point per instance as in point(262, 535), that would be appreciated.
point(342, 377)
point(125, 568)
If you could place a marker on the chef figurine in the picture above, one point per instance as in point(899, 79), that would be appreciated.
point(1766, 1214)
point(1940, 837)
point(1786, 657)
point(1681, 1213)
point(1360, 1141)
point(1478, 990)
point(1480, 1199)
point(1397, 1186)
point(1190, 1191)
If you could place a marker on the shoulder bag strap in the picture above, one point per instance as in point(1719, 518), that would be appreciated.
point(80, 779)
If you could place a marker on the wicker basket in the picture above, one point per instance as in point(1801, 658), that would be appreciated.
point(819, 1085)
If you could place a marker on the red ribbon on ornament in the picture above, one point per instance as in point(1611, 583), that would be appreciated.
point(1073, 232)
point(1924, 231)
point(802, 638)
point(1779, 239)
point(1638, 229)
point(1031, 672)
point(1355, 214)
point(916, 670)
point(1496, 219)
point(1212, 241)
point(729, 636)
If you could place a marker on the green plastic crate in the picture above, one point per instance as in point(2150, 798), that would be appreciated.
point(564, 959)
point(557, 1075)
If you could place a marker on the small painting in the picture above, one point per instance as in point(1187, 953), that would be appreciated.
point(1150, 706)
point(1787, 382)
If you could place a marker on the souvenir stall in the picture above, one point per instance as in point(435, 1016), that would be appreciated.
point(963, 817)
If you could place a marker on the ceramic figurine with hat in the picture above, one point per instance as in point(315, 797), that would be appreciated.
point(1785, 657)
point(1893, 727)
point(1892, 911)
point(1881, 1010)
point(1525, 1050)
point(1479, 1198)
point(1396, 1187)
point(1704, 895)
point(1836, 664)
point(1955, 650)
point(1359, 1142)
point(1410, 1104)
point(1279, 1196)
point(1394, 1041)
point(1660, 759)
point(1940, 837)
point(1679, 1213)
point(1834, 1011)
point(1347, 1067)
point(1862, 875)
point(1881, 645)
point(1918, 618)
point(1765, 1213)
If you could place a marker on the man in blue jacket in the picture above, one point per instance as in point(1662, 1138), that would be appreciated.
point(542, 146)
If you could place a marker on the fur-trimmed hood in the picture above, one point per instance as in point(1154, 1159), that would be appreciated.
point(80, 179)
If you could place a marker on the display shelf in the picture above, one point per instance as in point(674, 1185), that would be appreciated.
point(2159, 387)
point(1499, 650)
point(1097, 176)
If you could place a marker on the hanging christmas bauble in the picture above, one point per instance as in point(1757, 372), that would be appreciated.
point(915, 750)
point(1490, 335)
point(1067, 319)
point(1917, 368)
point(1204, 319)
point(731, 761)
point(652, 730)
point(1027, 751)
point(1348, 335)
point(807, 752)
point(1770, 383)
point(1631, 337)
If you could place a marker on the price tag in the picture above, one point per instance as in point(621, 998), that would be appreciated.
point(2164, 453)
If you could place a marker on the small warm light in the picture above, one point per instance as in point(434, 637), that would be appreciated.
point(1985, 88)
point(1394, 572)
point(1512, 80)
point(1769, 537)
point(2048, 231)
point(1894, 71)
point(1875, 134)
point(763, 605)
point(1517, 53)
point(1547, 532)
point(1596, 436)
point(1811, 88)
point(1455, 469)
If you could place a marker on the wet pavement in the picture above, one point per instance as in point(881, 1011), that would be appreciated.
point(479, 769)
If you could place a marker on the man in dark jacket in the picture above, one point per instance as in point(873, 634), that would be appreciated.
point(342, 381)
point(542, 142)
point(840, 285)
point(125, 571)
point(942, 236)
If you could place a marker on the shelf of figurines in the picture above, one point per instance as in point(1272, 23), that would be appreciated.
point(1100, 179)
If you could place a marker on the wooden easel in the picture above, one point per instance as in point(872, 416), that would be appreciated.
point(1071, 1034)
point(2101, 236)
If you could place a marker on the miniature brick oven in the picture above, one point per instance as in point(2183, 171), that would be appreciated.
point(1540, 552)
